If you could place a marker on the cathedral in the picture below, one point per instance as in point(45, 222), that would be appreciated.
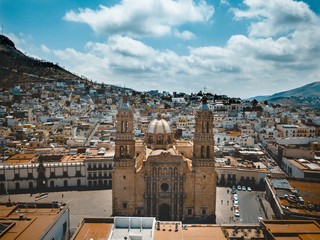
point(159, 176)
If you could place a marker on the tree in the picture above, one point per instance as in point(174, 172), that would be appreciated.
point(254, 104)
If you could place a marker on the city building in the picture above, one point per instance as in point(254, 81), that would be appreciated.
point(45, 221)
point(57, 169)
point(294, 198)
point(163, 178)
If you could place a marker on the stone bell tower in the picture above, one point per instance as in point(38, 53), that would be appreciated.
point(204, 163)
point(123, 186)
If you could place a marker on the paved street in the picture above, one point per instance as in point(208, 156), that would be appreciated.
point(99, 204)
point(249, 206)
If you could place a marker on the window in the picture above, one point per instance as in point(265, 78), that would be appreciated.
point(190, 210)
point(64, 227)
point(203, 211)
point(164, 187)
point(124, 205)
point(124, 177)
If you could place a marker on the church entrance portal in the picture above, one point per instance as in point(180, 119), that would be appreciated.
point(164, 212)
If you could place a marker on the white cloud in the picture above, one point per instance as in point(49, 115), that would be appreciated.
point(44, 48)
point(185, 35)
point(273, 17)
point(138, 18)
point(264, 62)
point(224, 2)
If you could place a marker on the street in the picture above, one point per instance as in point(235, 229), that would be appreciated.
point(249, 206)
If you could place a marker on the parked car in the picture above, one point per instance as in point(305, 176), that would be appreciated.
point(237, 213)
point(249, 189)
point(236, 203)
point(244, 188)
point(239, 187)
point(235, 197)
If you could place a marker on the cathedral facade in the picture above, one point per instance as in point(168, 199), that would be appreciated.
point(163, 177)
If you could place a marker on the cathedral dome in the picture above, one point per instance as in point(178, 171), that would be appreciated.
point(159, 126)
point(159, 134)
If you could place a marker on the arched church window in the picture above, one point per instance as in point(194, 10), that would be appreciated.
point(204, 127)
point(202, 152)
point(208, 151)
point(122, 151)
point(160, 139)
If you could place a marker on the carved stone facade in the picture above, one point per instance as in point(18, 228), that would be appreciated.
point(162, 177)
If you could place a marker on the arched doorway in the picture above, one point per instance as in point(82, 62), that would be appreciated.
point(164, 212)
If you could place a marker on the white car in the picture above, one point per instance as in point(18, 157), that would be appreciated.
point(237, 213)
point(236, 203)
point(244, 188)
point(235, 197)
point(249, 189)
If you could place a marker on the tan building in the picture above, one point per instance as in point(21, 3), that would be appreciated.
point(45, 221)
point(163, 178)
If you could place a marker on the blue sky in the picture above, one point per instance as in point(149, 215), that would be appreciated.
point(241, 48)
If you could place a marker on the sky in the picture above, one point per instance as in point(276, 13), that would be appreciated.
point(241, 48)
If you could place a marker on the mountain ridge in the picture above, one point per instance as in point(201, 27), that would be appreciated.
point(17, 68)
point(308, 90)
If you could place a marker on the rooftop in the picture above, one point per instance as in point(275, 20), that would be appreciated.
point(144, 228)
point(292, 229)
point(27, 220)
point(298, 197)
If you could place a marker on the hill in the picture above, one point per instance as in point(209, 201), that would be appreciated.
point(309, 90)
point(17, 68)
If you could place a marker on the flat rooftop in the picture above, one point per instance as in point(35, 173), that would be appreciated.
point(145, 228)
point(289, 191)
point(27, 220)
point(292, 229)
